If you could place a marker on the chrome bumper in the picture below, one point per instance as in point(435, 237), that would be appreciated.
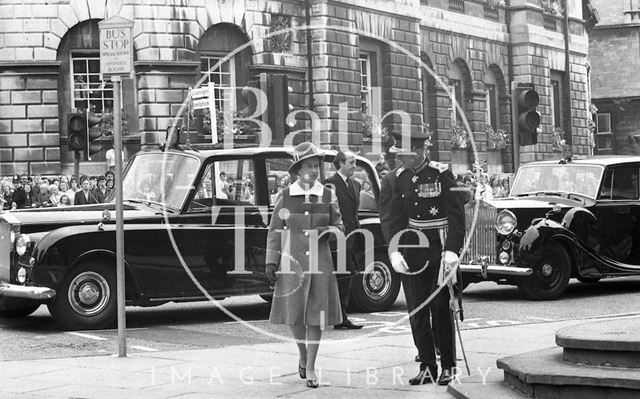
point(21, 291)
point(485, 270)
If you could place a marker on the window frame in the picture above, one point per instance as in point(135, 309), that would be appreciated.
point(208, 56)
point(106, 86)
point(366, 99)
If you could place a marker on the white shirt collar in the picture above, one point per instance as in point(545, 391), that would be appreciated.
point(344, 178)
point(317, 189)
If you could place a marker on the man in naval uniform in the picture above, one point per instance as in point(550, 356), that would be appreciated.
point(425, 224)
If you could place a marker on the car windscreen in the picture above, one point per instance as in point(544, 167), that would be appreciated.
point(159, 177)
point(558, 178)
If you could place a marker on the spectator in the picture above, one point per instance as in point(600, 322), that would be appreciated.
point(72, 190)
point(483, 189)
point(367, 199)
point(64, 200)
point(110, 187)
point(85, 196)
point(19, 196)
point(93, 182)
point(54, 195)
point(110, 159)
point(6, 197)
point(100, 191)
point(43, 195)
point(382, 167)
point(222, 189)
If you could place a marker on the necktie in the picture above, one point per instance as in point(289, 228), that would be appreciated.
point(350, 185)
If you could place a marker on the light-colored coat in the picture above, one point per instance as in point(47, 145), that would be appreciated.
point(304, 296)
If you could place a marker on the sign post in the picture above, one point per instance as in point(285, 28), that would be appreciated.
point(116, 61)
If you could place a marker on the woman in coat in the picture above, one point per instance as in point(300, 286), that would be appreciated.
point(299, 260)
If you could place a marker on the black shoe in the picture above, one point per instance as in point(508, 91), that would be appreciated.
point(427, 375)
point(302, 372)
point(347, 325)
point(446, 377)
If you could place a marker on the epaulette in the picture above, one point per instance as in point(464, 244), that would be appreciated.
point(440, 167)
point(399, 171)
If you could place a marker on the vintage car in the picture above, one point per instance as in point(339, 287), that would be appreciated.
point(562, 219)
point(200, 210)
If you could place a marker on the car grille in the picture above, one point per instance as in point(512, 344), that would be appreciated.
point(5, 252)
point(482, 240)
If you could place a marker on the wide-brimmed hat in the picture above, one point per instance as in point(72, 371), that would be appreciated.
point(304, 151)
point(416, 140)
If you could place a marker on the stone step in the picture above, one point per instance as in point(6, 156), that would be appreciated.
point(545, 374)
point(603, 344)
point(476, 388)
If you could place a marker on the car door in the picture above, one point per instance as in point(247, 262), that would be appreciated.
point(224, 230)
point(618, 213)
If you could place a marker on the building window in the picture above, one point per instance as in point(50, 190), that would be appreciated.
point(604, 135)
point(223, 77)
point(89, 92)
point(365, 83)
point(492, 106)
point(556, 102)
point(456, 97)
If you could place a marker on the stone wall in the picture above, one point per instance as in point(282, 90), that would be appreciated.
point(167, 35)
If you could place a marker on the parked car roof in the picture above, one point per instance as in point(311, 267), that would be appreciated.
point(604, 160)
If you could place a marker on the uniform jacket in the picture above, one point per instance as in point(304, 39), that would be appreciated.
point(423, 199)
point(304, 298)
point(348, 202)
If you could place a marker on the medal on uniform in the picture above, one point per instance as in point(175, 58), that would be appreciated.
point(429, 190)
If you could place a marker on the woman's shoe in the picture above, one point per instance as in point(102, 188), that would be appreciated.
point(302, 372)
point(312, 384)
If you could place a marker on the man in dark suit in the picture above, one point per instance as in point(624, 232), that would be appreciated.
point(348, 192)
point(84, 196)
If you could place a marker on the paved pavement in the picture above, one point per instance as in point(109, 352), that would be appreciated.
point(373, 367)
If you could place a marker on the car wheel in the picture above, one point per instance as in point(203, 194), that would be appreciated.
point(86, 298)
point(15, 307)
point(375, 289)
point(550, 276)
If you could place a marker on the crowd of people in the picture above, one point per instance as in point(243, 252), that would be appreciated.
point(23, 192)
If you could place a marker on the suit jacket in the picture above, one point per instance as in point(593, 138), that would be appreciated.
point(80, 199)
point(99, 196)
point(348, 202)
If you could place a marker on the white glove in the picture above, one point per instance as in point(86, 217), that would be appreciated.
point(449, 261)
point(398, 263)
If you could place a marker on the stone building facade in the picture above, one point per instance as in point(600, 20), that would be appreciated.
point(365, 59)
point(615, 62)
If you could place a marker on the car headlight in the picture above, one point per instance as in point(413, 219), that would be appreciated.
point(21, 245)
point(506, 222)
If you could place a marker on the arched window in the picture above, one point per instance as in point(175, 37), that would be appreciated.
point(492, 107)
point(457, 92)
point(80, 86)
point(217, 42)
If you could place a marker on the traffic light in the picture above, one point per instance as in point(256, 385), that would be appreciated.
point(77, 129)
point(81, 134)
point(92, 135)
point(278, 106)
point(526, 119)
